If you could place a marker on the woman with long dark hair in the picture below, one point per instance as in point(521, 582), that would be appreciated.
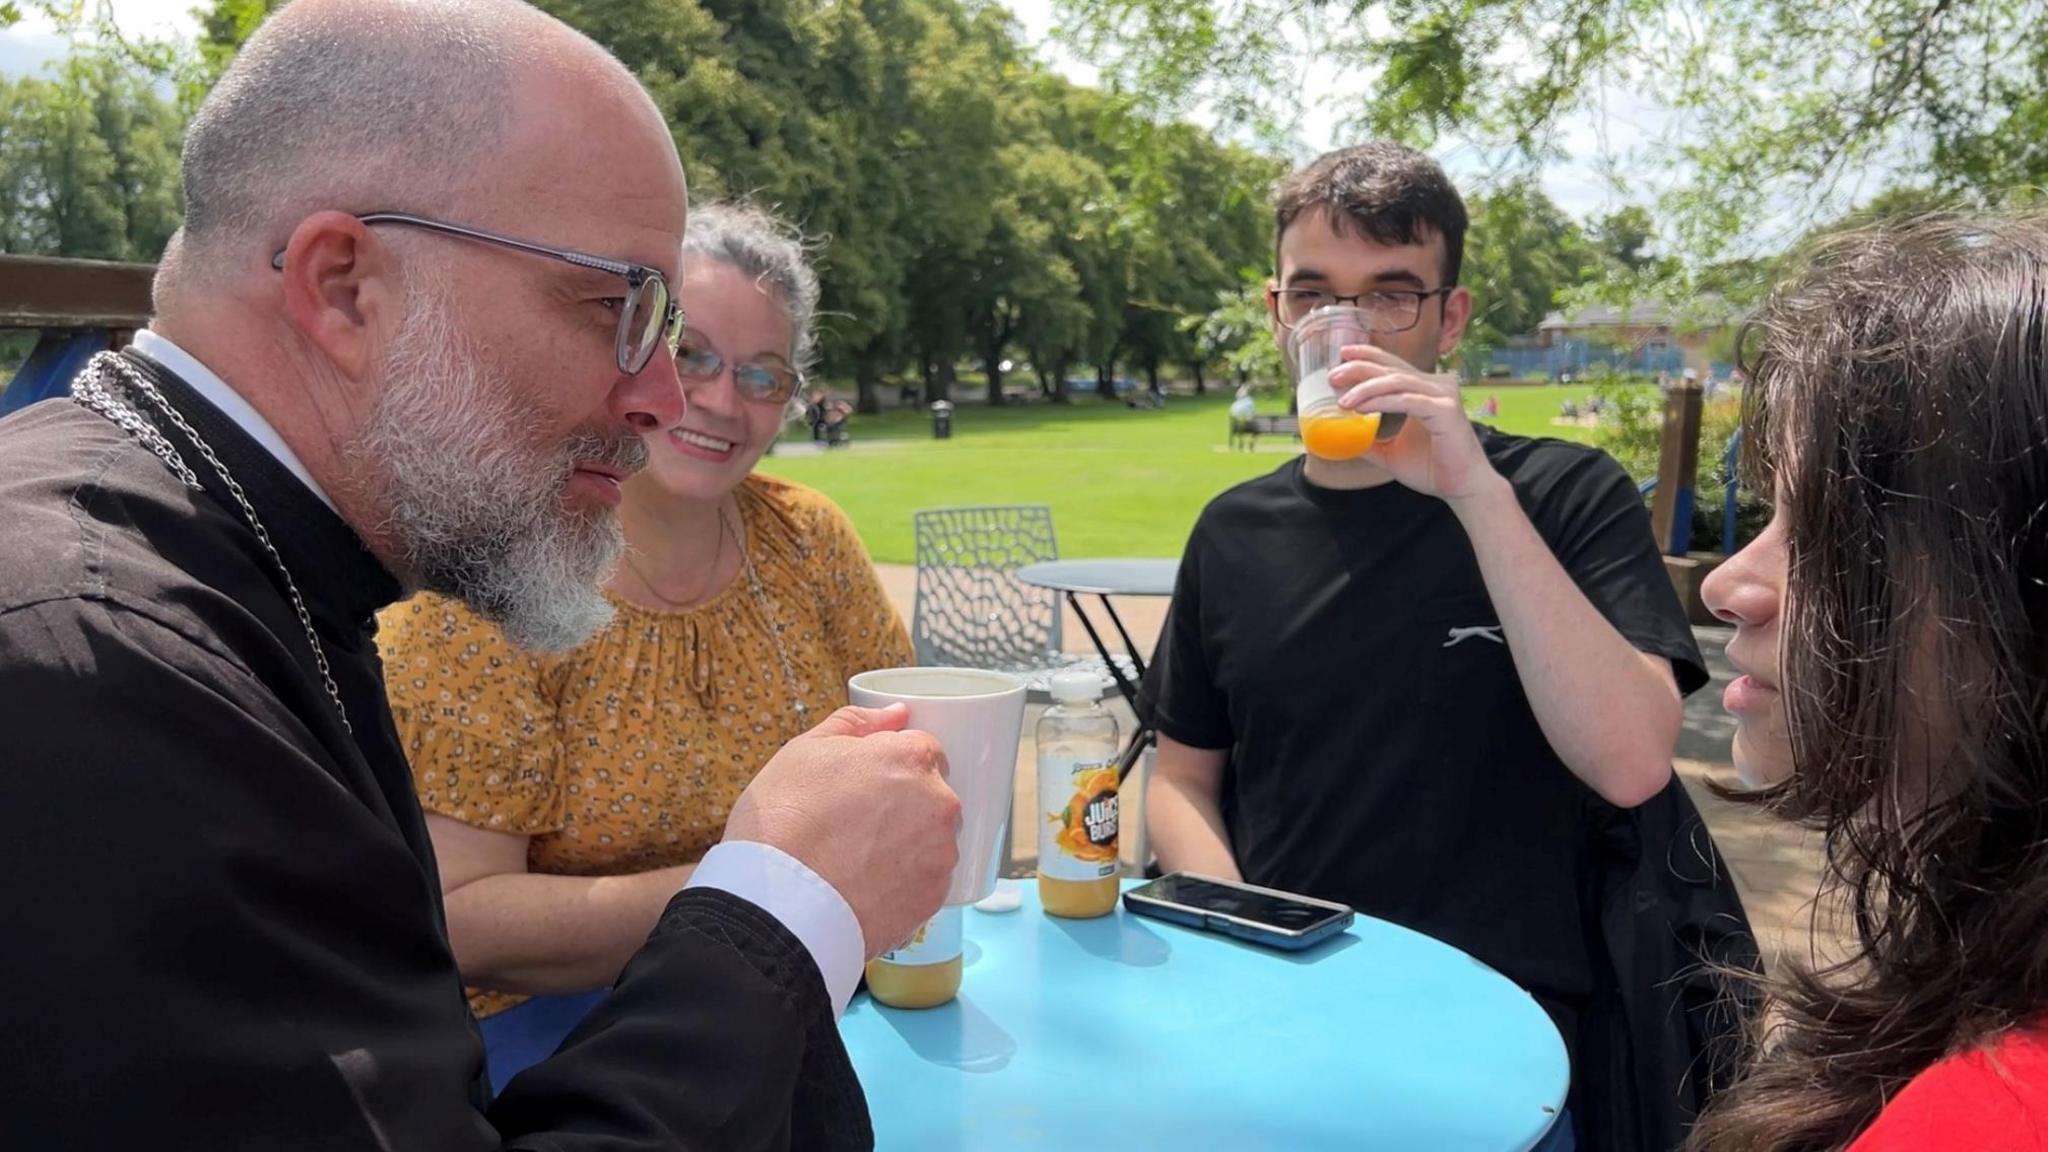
point(1892, 625)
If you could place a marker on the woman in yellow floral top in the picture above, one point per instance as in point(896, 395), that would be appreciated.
point(568, 795)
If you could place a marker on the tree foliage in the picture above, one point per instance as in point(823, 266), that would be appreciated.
point(1780, 112)
point(1522, 253)
point(88, 162)
point(965, 202)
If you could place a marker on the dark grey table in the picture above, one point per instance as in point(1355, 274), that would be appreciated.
point(1104, 579)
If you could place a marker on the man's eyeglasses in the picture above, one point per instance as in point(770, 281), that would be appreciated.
point(648, 314)
point(1386, 309)
point(769, 383)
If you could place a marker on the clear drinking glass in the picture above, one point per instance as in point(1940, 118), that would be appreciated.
point(1314, 347)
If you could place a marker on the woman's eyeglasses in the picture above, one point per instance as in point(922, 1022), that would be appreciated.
point(766, 383)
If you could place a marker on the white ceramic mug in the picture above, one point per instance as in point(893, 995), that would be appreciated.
point(978, 718)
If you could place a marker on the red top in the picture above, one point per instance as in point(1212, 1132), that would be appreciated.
point(1991, 1100)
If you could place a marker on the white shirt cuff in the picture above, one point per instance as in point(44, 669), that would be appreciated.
point(813, 911)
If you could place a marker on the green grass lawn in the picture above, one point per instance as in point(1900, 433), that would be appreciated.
point(1120, 482)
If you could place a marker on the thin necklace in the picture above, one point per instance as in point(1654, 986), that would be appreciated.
point(762, 602)
point(704, 593)
point(767, 607)
point(91, 391)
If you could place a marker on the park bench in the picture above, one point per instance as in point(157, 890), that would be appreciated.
point(1246, 433)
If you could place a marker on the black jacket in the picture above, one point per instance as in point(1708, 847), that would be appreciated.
point(222, 917)
point(1663, 1033)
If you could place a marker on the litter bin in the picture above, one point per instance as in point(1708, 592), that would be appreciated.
point(942, 420)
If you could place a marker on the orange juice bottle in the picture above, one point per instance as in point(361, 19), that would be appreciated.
point(1077, 800)
point(924, 973)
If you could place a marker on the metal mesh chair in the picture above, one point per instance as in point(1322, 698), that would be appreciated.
point(973, 612)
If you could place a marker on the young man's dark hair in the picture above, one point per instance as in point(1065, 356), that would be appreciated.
point(1388, 192)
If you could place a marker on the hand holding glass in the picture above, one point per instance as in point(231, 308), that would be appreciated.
point(1315, 346)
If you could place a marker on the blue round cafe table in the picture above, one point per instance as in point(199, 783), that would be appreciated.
point(1131, 1034)
point(1128, 1033)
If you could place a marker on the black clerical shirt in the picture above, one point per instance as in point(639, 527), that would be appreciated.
point(222, 921)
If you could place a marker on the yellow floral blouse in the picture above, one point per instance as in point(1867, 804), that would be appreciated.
point(626, 754)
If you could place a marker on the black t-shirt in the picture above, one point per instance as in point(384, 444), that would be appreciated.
point(1341, 645)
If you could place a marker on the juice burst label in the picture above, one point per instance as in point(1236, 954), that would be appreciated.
point(1084, 828)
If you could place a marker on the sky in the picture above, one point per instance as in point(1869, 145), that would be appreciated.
point(1619, 122)
point(32, 43)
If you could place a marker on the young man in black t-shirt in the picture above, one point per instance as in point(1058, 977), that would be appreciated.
point(1392, 681)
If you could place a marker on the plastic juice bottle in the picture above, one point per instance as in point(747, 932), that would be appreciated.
point(924, 973)
point(1327, 430)
point(1077, 800)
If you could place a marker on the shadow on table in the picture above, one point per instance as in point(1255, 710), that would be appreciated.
point(956, 1035)
point(1119, 938)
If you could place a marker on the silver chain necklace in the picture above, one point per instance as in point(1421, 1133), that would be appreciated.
point(91, 391)
point(761, 601)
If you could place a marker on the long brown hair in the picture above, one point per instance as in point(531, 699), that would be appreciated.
point(1898, 399)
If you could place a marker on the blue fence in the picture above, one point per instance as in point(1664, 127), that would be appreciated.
point(1681, 526)
point(58, 357)
point(1577, 357)
point(75, 308)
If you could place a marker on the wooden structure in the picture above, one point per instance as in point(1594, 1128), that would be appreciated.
point(78, 307)
point(1673, 497)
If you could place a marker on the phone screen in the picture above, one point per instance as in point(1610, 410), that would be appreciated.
point(1258, 907)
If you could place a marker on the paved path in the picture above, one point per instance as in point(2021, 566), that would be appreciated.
point(1775, 865)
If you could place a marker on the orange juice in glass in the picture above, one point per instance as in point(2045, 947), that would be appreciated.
point(1315, 347)
point(1334, 434)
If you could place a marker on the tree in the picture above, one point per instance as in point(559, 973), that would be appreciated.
point(1072, 198)
point(1779, 105)
point(952, 145)
point(1214, 221)
point(88, 162)
point(961, 196)
point(1038, 238)
point(1238, 333)
point(1624, 237)
point(1521, 253)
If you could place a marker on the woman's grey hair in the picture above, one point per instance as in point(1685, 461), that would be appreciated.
point(770, 252)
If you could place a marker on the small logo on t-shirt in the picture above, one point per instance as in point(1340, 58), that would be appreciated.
point(1482, 631)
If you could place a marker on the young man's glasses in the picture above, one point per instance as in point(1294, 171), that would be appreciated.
point(767, 383)
point(649, 315)
point(1386, 309)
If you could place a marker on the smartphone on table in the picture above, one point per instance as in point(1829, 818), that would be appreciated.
point(1244, 911)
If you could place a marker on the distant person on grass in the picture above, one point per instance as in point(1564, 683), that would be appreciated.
point(1242, 410)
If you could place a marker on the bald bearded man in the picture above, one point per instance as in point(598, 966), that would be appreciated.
point(408, 338)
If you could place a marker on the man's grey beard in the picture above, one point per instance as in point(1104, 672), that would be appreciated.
point(474, 510)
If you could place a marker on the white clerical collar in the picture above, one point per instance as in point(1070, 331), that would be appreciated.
point(230, 402)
